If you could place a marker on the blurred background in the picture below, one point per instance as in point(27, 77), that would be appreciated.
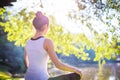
point(86, 34)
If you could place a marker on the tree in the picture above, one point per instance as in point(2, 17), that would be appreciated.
point(10, 55)
point(105, 15)
point(91, 14)
point(65, 42)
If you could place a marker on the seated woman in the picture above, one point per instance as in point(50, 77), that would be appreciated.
point(39, 49)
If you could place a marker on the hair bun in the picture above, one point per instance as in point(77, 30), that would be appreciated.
point(39, 14)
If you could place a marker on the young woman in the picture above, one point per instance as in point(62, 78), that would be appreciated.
point(39, 49)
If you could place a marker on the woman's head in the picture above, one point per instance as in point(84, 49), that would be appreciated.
point(40, 22)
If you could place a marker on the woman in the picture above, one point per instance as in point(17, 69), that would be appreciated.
point(39, 49)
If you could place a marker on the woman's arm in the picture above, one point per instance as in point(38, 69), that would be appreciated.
point(48, 45)
point(26, 58)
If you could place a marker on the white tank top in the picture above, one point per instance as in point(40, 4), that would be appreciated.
point(38, 59)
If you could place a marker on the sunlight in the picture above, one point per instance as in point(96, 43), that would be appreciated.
point(112, 78)
point(57, 6)
point(60, 10)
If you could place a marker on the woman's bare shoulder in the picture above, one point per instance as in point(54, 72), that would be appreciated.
point(48, 40)
point(48, 44)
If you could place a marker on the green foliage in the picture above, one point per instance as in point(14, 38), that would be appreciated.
point(63, 41)
point(105, 43)
point(19, 28)
point(2, 10)
point(105, 49)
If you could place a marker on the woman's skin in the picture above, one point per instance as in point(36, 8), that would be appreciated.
point(49, 47)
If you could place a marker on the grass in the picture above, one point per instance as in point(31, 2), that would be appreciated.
point(4, 75)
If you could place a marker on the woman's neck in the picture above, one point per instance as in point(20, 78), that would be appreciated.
point(38, 34)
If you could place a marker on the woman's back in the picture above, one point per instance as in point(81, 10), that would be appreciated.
point(38, 58)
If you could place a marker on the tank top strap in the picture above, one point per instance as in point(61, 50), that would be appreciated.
point(42, 42)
